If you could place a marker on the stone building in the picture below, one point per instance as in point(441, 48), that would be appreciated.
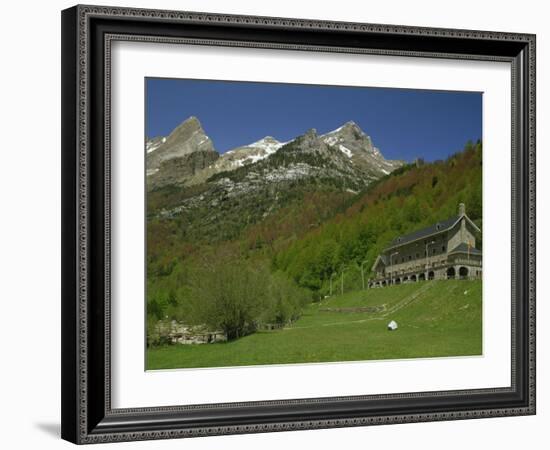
point(445, 250)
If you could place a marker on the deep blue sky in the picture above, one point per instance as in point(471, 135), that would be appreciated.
point(403, 124)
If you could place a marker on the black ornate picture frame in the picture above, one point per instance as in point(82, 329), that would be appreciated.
point(87, 35)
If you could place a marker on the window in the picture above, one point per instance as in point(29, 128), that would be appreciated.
point(443, 248)
point(410, 257)
point(417, 256)
point(403, 259)
point(433, 251)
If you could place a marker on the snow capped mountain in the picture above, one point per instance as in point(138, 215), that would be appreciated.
point(349, 129)
point(187, 157)
point(238, 157)
point(348, 135)
point(252, 153)
point(356, 145)
point(268, 144)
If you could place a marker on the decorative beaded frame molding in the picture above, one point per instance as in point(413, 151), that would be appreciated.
point(87, 415)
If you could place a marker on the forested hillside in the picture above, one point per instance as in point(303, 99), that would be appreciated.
point(412, 197)
point(277, 247)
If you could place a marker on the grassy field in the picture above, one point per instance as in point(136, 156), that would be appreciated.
point(436, 318)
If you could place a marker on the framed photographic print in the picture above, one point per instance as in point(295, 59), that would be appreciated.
point(278, 224)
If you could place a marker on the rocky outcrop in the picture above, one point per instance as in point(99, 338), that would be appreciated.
point(178, 333)
point(176, 158)
point(181, 169)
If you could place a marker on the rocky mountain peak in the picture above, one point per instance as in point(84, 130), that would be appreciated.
point(311, 133)
point(309, 141)
point(185, 130)
point(186, 140)
point(349, 135)
point(187, 156)
point(350, 125)
point(187, 137)
point(352, 129)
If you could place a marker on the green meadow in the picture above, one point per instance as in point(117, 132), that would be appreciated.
point(435, 319)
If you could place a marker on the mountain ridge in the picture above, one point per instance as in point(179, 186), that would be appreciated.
point(187, 155)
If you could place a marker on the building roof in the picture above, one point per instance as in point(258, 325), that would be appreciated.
point(463, 248)
point(383, 258)
point(437, 227)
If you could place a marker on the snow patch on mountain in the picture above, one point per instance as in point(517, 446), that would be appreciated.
point(331, 140)
point(346, 151)
point(153, 144)
point(252, 153)
point(268, 143)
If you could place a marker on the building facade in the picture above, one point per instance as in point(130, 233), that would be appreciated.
point(445, 250)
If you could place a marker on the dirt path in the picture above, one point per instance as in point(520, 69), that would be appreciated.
point(408, 300)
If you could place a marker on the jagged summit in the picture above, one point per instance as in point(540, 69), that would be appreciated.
point(309, 140)
point(349, 130)
point(349, 125)
point(352, 128)
point(187, 156)
point(186, 150)
point(185, 138)
point(351, 137)
point(185, 129)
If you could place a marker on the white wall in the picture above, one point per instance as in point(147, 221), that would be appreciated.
point(30, 225)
